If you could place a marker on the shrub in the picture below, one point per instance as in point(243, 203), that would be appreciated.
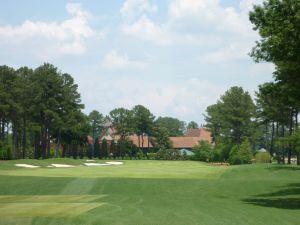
point(262, 157)
point(9, 153)
point(168, 154)
point(242, 155)
point(234, 158)
point(221, 152)
point(152, 155)
point(203, 152)
point(245, 152)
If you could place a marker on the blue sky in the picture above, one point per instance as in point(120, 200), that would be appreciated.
point(174, 57)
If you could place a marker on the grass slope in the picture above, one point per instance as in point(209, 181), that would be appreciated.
point(149, 192)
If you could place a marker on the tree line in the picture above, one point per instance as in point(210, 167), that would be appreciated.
point(272, 122)
point(39, 107)
point(41, 116)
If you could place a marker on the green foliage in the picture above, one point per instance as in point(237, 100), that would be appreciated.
point(174, 126)
point(277, 22)
point(262, 157)
point(192, 125)
point(230, 118)
point(152, 155)
point(221, 152)
point(96, 121)
point(168, 154)
point(242, 155)
point(41, 106)
point(5, 151)
point(161, 138)
point(245, 151)
point(203, 152)
point(122, 120)
point(234, 157)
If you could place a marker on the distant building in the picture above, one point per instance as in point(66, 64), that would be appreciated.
point(191, 139)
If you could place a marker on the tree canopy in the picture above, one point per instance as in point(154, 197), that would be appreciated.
point(231, 117)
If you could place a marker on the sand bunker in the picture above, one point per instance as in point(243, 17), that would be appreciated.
point(90, 160)
point(97, 164)
point(115, 163)
point(61, 165)
point(26, 166)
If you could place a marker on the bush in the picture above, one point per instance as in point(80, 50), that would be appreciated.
point(234, 157)
point(168, 154)
point(152, 155)
point(262, 157)
point(9, 153)
point(203, 152)
point(246, 152)
point(242, 155)
point(5, 151)
point(221, 152)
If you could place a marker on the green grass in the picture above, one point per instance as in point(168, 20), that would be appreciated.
point(149, 192)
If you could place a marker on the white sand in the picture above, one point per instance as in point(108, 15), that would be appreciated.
point(26, 165)
point(61, 165)
point(90, 160)
point(115, 163)
point(96, 164)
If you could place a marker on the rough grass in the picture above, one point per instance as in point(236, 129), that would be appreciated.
point(149, 192)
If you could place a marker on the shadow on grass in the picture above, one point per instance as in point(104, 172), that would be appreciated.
point(287, 198)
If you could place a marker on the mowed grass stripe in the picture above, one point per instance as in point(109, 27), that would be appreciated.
point(234, 195)
point(49, 198)
point(130, 169)
point(45, 209)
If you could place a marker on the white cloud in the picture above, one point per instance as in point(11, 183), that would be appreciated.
point(132, 8)
point(186, 100)
point(196, 21)
point(46, 40)
point(147, 30)
point(231, 52)
point(211, 15)
point(116, 61)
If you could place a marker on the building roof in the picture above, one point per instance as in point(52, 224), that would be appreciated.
point(202, 133)
point(135, 141)
point(184, 142)
point(192, 138)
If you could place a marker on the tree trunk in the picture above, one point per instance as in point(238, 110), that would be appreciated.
point(37, 145)
point(16, 142)
point(43, 142)
point(267, 134)
point(2, 129)
point(57, 144)
point(290, 133)
point(296, 118)
point(272, 139)
point(48, 143)
point(148, 143)
point(24, 138)
point(283, 148)
point(63, 152)
point(139, 140)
